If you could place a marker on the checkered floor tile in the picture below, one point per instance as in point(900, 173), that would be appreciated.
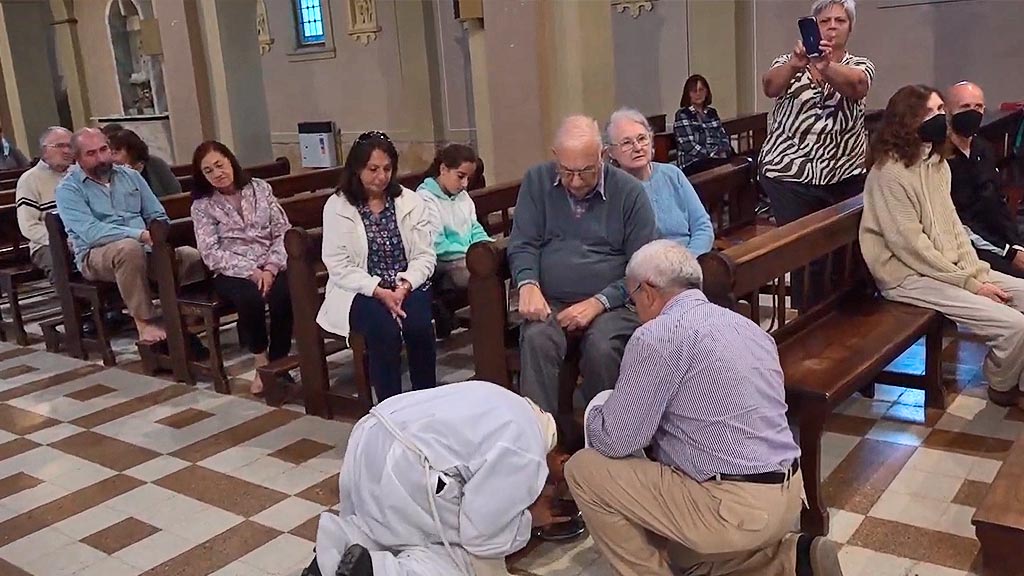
point(108, 472)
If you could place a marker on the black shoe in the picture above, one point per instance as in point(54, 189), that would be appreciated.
point(355, 562)
point(561, 532)
point(115, 320)
point(196, 350)
point(313, 569)
point(88, 327)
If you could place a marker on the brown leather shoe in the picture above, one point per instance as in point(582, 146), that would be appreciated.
point(1003, 397)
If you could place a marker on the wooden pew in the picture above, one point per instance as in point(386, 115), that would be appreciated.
point(279, 167)
point(16, 269)
point(307, 278)
point(303, 197)
point(79, 297)
point(840, 345)
point(15, 173)
point(729, 193)
point(747, 133)
point(198, 302)
point(180, 205)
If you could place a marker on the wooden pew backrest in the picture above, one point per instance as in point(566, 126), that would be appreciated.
point(729, 194)
point(279, 167)
point(741, 271)
point(494, 206)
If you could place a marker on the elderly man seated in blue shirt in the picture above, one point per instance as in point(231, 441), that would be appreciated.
point(578, 221)
point(701, 388)
point(106, 210)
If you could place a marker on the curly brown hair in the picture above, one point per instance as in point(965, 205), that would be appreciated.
point(896, 138)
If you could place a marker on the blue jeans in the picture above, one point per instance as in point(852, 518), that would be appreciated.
point(384, 337)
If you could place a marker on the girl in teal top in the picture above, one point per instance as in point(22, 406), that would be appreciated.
point(454, 226)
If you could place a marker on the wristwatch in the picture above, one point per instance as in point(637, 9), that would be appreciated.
point(404, 284)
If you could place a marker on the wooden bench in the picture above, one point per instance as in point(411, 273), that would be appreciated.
point(839, 346)
point(302, 196)
point(307, 279)
point(729, 194)
point(79, 297)
point(279, 167)
point(999, 520)
point(16, 269)
point(746, 132)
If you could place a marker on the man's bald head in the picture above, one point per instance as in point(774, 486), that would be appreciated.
point(965, 96)
point(92, 152)
point(577, 152)
point(578, 132)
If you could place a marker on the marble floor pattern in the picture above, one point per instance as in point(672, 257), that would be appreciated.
point(108, 472)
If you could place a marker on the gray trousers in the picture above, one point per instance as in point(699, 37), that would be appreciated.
point(43, 260)
point(542, 348)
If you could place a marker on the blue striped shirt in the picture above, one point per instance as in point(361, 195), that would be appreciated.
point(703, 387)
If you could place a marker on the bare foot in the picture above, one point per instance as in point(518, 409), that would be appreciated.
point(256, 387)
point(150, 332)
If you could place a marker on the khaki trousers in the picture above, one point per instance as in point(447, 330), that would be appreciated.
point(1001, 325)
point(637, 509)
point(126, 262)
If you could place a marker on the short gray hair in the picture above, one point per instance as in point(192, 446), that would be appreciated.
point(819, 6)
point(666, 265)
point(49, 132)
point(77, 136)
point(624, 114)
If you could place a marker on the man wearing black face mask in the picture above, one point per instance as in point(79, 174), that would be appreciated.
point(975, 185)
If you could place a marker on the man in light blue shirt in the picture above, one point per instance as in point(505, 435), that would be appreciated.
point(106, 210)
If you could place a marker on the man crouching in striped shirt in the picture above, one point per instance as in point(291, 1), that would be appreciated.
point(701, 388)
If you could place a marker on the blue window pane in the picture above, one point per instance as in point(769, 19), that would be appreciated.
point(310, 21)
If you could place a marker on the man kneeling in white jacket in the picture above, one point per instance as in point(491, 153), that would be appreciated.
point(448, 481)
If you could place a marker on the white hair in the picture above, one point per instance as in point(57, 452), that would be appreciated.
point(578, 131)
point(665, 265)
point(625, 114)
point(50, 132)
point(819, 6)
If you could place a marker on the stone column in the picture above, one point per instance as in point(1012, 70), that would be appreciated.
point(712, 49)
point(533, 63)
point(69, 57)
point(27, 75)
point(236, 78)
point(421, 83)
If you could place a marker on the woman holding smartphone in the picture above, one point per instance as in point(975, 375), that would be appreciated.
point(813, 156)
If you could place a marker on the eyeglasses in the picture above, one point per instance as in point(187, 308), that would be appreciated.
point(640, 142)
point(629, 297)
point(567, 174)
point(60, 146)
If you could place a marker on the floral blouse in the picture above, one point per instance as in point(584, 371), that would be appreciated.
point(386, 253)
point(238, 244)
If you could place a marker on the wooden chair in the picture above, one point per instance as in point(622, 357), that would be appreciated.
point(842, 343)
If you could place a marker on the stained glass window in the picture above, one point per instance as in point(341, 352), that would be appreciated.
point(310, 22)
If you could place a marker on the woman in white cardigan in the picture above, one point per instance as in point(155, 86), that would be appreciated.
point(380, 255)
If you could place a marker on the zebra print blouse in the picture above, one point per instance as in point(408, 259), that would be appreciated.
point(815, 135)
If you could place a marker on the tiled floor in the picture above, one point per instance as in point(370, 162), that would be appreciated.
point(107, 472)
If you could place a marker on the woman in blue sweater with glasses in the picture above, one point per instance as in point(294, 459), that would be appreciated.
point(677, 209)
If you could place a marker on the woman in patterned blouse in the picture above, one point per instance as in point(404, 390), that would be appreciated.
point(379, 252)
point(701, 141)
point(240, 234)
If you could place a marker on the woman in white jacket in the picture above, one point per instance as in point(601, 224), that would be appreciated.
point(379, 253)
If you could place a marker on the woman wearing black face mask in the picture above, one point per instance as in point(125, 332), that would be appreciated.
point(975, 186)
point(915, 244)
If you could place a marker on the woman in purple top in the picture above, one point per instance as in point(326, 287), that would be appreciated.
point(240, 230)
